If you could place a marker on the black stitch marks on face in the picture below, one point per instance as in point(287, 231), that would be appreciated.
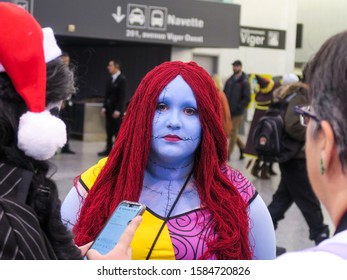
point(191, 139)
point(163, 101)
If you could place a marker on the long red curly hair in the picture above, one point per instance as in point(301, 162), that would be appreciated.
point(123, 174)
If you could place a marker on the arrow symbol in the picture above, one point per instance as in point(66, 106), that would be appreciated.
point(118, 17)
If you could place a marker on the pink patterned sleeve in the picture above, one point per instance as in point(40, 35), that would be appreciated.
point(246, 189)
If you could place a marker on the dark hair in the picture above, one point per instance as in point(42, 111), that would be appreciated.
point(237, 63)
point(116, 63)
point(60, 85)
point(326, 75)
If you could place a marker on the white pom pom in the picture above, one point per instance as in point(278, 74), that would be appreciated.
point(40, 134)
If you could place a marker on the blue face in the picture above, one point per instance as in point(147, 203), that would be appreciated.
point(176, 125)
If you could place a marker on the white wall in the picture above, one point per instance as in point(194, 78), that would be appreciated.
point(321, 19)
point(276, 14)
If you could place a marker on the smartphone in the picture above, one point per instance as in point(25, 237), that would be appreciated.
point(116, 224)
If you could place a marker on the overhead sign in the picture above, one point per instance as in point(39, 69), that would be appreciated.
point(262, 38)
point(179, 22)
point(25, 4)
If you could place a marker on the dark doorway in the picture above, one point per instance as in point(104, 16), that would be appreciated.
point(92, 56)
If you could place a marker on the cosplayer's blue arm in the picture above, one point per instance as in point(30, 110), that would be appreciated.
point(71, 207)
point(262, 233)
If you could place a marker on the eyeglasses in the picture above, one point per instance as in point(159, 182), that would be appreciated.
point(305, 114)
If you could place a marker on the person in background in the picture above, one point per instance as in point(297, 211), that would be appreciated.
point(34, 82)
point(263, 98)
point(226, 117)
point(294, 186)
point(66, 112)
point(238, 92)
point(113, 106)
point(326, 146)
point(171, 155)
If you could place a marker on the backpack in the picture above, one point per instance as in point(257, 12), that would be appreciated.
point(270, 140)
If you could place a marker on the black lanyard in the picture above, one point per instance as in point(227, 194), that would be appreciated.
point(168, 216)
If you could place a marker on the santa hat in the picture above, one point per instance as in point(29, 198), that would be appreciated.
point(265, 85)
point(24, 50)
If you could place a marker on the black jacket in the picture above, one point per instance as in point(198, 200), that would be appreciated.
point(115, 95)
point(238, 93)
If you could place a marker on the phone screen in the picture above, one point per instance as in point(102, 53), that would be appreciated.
point(116, 225)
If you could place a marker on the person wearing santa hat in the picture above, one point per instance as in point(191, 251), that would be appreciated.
point(33, 84)
point(263, 98)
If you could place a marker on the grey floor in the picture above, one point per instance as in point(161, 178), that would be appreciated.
point(292, 232)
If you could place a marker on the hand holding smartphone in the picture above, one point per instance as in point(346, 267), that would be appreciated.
point(116, 225)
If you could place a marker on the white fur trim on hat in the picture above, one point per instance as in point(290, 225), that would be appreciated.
point(40, 134)
point(50, 46)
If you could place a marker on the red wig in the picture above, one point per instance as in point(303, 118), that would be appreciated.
point(123, 174)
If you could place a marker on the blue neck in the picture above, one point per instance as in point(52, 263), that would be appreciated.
point(169, 170)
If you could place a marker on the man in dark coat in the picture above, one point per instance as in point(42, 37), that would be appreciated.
point(113, 103)
point(238, 92)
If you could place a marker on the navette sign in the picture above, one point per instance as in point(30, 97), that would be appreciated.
point(180, 22)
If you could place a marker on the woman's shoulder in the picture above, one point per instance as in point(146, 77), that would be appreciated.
point(88, 177)
point(246, 189)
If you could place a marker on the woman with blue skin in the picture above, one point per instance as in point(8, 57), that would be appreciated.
point(171, 156)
